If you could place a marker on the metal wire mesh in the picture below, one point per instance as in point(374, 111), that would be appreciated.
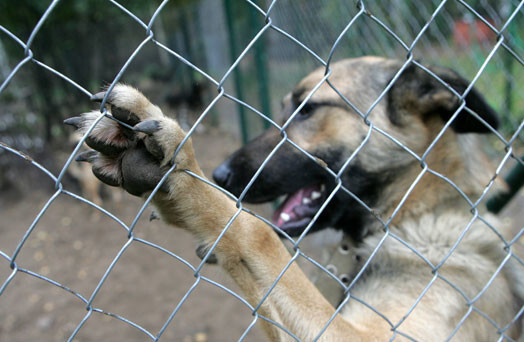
point(377, 21)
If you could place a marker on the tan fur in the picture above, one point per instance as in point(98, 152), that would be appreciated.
point(251, 248)
point(431, 220)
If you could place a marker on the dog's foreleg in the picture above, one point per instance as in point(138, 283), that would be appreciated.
point(250, 251)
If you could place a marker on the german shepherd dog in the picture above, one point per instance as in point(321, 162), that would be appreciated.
point(460, 283)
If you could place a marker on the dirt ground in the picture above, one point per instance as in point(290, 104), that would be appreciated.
point(71, 247)
point(75, 249)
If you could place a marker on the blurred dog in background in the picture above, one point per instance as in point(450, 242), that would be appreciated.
point(90, 187)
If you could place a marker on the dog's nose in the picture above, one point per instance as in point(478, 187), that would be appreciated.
point(222, 175)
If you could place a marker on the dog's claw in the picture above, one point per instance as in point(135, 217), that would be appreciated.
point(86, 156)
point(148, 127)
point(98, 97)
point(75, 121)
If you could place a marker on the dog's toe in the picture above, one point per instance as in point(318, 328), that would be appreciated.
point(107, 136)
point(133, 147)
point(128, 104)
point(149, 128)
point(162, 138)
point(120, 113)
point(141, 172)
point(106, 169)
point(108, 173)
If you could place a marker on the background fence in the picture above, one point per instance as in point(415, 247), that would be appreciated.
point(53, 55)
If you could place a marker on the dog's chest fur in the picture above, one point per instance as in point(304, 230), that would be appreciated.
point(429, 256)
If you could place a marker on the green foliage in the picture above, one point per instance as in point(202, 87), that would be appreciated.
point(88, 41)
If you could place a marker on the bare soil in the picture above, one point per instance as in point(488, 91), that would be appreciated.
point(71, 247)
point(74, 249)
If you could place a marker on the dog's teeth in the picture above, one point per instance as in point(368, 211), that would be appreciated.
point(285, 217)
point(306, 200)
point(315, 195)
point(322, 187)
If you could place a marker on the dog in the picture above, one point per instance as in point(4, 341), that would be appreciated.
point(438, 250)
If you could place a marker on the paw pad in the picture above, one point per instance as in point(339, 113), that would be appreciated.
point(123, 156)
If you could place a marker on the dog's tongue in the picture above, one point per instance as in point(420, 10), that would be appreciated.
point(289, 210)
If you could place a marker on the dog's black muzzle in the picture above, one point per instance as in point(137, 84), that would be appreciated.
point(288, 172)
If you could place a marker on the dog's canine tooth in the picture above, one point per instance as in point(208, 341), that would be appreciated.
point(315, 195)
point(306, 200)
point(285, 217)
point(322, 187)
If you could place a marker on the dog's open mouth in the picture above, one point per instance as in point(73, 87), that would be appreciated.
point(298, 209)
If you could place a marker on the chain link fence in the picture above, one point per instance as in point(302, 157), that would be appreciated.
point(481, 39)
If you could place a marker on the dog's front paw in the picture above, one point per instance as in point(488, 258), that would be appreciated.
point(136, 155)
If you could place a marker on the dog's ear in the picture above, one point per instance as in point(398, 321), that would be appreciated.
point(418, 92)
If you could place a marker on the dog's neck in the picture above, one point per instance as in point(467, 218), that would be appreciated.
point(458, 159)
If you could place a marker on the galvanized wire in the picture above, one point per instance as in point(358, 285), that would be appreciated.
point(363, 13)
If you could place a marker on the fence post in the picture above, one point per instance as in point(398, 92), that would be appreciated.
point(188, 46)
point(228, 8)
point(508, 91)
point(261, 68)
point(509, 61)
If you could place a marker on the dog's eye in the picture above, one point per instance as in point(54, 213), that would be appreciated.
point(308, 109)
